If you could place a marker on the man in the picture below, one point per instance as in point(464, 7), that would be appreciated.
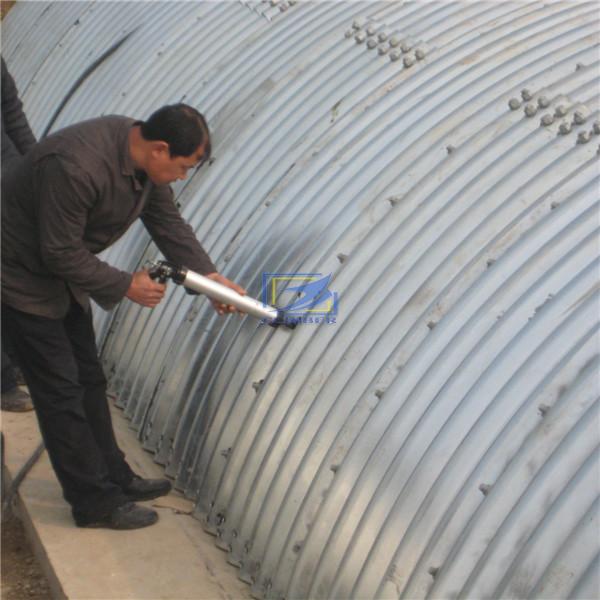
point(75, 194)
point(17, 139)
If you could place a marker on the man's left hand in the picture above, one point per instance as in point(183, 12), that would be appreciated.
point(219, 306)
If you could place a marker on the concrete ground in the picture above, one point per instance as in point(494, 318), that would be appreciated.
point(172, 560)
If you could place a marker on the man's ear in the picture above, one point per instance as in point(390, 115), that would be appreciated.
point(159, 149)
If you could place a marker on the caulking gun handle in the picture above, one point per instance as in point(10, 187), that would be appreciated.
point(159, 272)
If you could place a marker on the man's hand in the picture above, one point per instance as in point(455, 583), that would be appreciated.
point(145, 291)
point(219, 306)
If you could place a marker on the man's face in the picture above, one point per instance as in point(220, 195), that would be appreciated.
point(163, 169)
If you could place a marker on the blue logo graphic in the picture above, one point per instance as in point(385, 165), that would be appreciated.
point(303, 297)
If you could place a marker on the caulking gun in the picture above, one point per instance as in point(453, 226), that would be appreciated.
point(196, 283)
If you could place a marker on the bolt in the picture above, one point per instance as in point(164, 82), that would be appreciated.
point(433, 571)
point(584, 137)
point(371, 30)
point(379, 393)
point(490, 261)
point(485, 488)
point(543, 102)
point(283, 6)
point(371, 44)
point(597, 127)
point(406, 46)
point(579, 117)
point(547, 120)
point(348, 33)
point(342, 257)
point(450, 149)
point(530, 110)
point(394, 41)
point(514, 104)
point(561, 110)
point(543, 409)
point(526, 95)
point(420, 53)
point(358, 23)
point(564, 128)
point(383, 49)
point(383, 36)
point(409, 61)
point(395, 55)
point(274, 2)
point(579, 66)
point(431, 324)
point(554, 205)
point(360, 37)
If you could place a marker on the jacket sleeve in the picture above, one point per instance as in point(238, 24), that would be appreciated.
point(14, 121)
point(173, 236)
point(66, 195)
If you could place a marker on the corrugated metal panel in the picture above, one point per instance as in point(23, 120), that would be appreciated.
point(441, 161)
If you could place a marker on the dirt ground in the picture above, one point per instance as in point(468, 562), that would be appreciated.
point(22, 578)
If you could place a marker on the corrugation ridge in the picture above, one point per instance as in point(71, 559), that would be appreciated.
point(272, 498)
point(25, 63)
point(495, 433)
point(576, 437)
point(16, 27)
point(385, 393)
point(407, 447)
point(206, 222)
point(491, 508)
point(589, 584)
point(579, 492)
point(76, 52)
point(524, 503)
point(391, 390)
point(379, 172)
point(132, 85)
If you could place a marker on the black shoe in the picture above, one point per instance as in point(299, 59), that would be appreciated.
point(16, 400)
point(126, 516)
point(146, 489)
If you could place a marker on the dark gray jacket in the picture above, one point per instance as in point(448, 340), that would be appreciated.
point(17, 137)
point(71, 197)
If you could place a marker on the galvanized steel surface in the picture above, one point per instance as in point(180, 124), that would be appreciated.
point(441, 161)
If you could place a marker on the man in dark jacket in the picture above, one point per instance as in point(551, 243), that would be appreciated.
point(17, 139)
point(71, 197)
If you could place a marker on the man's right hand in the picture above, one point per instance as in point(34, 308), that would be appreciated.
point(145, 291)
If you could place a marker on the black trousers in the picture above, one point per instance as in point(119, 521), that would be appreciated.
point(9, 379)
point(59, 360)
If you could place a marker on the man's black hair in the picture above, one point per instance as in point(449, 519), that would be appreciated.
point(181, 126)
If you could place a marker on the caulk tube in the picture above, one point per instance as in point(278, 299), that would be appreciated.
point(221, 293)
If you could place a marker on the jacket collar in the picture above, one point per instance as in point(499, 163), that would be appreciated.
point(125, 160)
